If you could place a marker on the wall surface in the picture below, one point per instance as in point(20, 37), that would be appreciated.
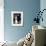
point(43, 6)
point(29, 8)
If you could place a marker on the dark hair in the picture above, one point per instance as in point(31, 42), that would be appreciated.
point(19, 17)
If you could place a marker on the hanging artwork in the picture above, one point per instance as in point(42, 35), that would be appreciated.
point(17, 18)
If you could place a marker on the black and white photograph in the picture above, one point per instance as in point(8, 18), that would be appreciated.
point(17, 18)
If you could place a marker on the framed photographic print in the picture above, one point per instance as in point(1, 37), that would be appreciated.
point(17, 18)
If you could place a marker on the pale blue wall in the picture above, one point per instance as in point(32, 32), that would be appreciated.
point(29, 8)
point(43, 6)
